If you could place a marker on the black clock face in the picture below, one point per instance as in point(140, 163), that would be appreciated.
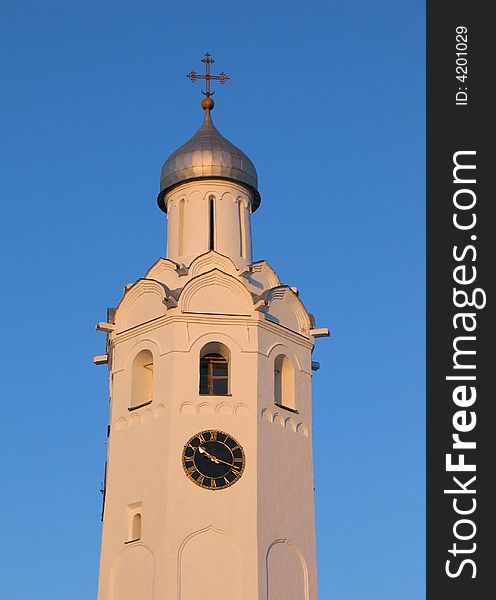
point(213, 459)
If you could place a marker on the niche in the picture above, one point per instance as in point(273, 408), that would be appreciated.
point(284, 383)
point(142, 379)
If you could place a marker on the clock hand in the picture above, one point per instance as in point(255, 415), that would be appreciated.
point(215, 459)
point(208, 455)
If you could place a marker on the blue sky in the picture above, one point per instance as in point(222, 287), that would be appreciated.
point(327, 98)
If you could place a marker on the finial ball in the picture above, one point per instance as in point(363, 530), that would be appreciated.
point(207, 103)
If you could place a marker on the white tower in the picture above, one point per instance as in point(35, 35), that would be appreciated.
point(209, 479)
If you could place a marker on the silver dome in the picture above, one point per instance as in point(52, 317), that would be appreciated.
point(207, 155)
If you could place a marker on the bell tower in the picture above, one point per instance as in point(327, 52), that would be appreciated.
point(209, 478)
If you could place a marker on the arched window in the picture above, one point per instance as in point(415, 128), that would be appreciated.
point(136, 532)
point(211, 222)
point(214, 370)
point(284, 383)
point(142, 379)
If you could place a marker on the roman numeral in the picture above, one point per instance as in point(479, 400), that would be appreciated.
point(201, 438)
point(200, 479)
point(191, 470)
point(213, 484)
point(213, 436)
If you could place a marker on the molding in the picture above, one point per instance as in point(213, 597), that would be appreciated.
point(254, 320)
point(222, 408)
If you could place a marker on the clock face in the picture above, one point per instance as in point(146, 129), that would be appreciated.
point(213, 459)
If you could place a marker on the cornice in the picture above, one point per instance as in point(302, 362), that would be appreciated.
point(190, 318)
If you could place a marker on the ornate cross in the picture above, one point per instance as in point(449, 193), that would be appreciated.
point(208, 77)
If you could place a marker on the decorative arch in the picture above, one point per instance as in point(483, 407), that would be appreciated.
point(286, 309)
point(159, 411)
point(267, 273)
point(287, 572)
point(205, 408)
point(267, 415)
point(302, 429)
point(214, 336)
point(147, 416)
point(132, 574)
point(216, 347)
point(142, 302)
point(279, 348)
point(164, 271)
point(223, 408)
point(205, 262)
point(134, 420)
point(139, 346)
point(290, 424)
point(195, 574)
point(120, 424)
point(242, 410)
point(243, 199)
point(173, 200)
point(187, 408)
point(215, 292)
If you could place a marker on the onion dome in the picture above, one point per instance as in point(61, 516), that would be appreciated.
point(207, 155)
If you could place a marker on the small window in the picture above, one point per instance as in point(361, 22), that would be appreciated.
point(214, 375)
point(136, 533)
point(284, 383)
point(134, 522)
point(142, 379)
